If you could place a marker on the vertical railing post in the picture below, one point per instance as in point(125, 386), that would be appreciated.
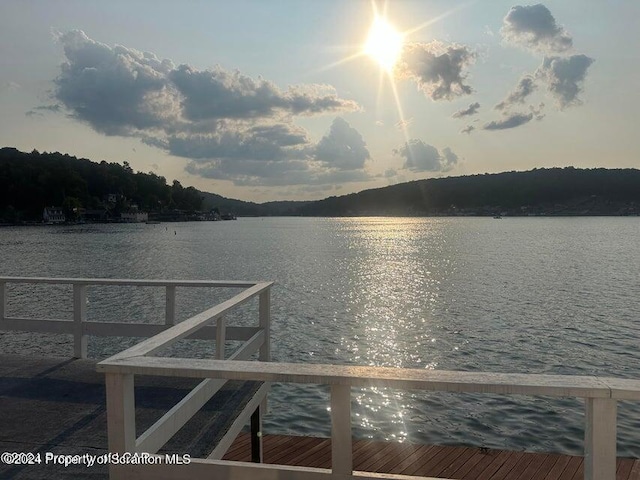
point(170, 305)
point(79, 317)
point(3, 301)
point(600, 439)
point(256, 436)
point(121, 417)
point(221, 333)
point(341, 449)
point(264, 314)
point(264, 319)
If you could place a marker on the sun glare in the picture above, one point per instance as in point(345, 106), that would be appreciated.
point(384, 43)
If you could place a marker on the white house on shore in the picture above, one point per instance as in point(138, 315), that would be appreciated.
point(53, 215)
point(134, 217)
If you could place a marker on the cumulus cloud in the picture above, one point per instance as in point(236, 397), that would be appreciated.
point(511, 121)
point(219, 93)
point(468, 129)
point(264, 142)
point(565, 77)
point(437, 69)
point(467, 112)
point(115, 90)
point(230, 126)
point(525, 87)
point(276, 155)
point(343, 147)
point(422, 157)
point(290, 172)
point(535, 28)
point(118, 90)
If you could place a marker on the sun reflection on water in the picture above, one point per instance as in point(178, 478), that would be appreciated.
point(394, 298)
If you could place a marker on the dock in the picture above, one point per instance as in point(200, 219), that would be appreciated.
point(57, 405)
point(141, 403)
point(459, 463)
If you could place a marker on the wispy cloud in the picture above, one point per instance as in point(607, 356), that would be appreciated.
point(467, 112)
point(525, 87)
point(511, 121)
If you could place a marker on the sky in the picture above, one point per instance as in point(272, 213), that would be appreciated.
point(301, 100)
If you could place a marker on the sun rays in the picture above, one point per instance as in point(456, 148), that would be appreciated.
point(384, 44)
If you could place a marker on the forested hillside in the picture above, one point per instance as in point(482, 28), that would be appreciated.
point(554, 191)
point(31, 181)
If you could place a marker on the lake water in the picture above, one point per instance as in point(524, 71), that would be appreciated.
point(528, 295)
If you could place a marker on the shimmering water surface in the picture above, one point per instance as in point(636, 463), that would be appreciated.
point(528, 295)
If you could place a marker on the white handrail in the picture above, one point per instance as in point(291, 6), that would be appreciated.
point(131, 282)
point(79, 327)
point(120, 388)
point(601, 395)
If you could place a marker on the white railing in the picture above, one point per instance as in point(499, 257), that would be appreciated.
point(80, 328)
point(601, 396)
point(120, 388)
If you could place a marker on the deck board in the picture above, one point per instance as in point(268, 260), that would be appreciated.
point(457, 463)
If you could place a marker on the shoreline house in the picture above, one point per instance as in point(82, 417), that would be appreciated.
point(134, 217)
point(52, 215)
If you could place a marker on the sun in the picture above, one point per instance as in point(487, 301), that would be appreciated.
point(384, 43)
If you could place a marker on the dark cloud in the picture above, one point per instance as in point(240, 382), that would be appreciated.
point(342, 148)
point(564, 77)
point(422, 157)
point(511, 121)
point(534, 27)
point(525, 87)
point(437, 69)
point(468, 129)
point(467, 112)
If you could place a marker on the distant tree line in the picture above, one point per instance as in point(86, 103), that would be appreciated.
point(31, 181)
point(567, 190)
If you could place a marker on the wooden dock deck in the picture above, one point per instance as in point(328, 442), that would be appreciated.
point(426, 460)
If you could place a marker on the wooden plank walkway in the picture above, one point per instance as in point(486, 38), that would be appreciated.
point(426, 460)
